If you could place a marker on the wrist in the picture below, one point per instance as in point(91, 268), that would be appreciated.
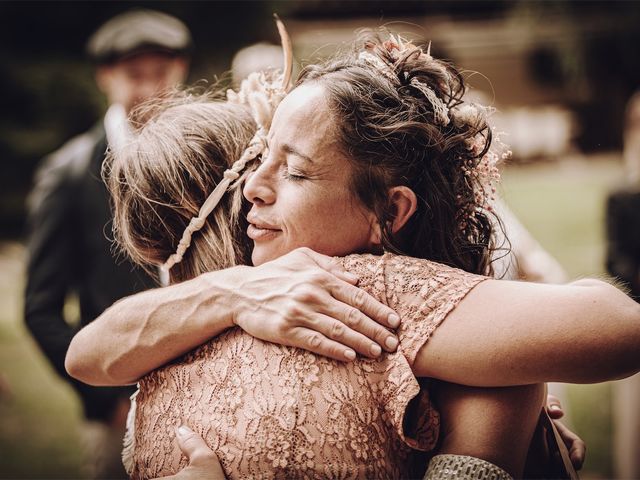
point(220, 296)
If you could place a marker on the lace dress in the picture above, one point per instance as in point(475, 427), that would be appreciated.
point(270, 411)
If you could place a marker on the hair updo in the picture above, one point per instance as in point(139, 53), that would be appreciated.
point(158, 181)
point(401, 120)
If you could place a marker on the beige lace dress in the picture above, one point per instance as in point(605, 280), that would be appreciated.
point(270, 411)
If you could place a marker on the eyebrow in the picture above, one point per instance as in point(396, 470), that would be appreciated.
point(292, 151)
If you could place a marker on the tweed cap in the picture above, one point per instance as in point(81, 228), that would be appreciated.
point(138, 31)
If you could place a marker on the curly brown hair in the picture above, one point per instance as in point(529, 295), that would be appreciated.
point(394, 134)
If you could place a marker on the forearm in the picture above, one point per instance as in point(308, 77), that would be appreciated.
point(143, 332)
point(514, 333)
point(494, 424)
point(302, 299)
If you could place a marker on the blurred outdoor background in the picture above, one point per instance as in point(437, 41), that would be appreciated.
point(558, 72)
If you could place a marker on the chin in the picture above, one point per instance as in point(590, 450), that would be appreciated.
point(259, 256)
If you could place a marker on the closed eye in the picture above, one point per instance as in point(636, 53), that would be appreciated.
point(293, 176)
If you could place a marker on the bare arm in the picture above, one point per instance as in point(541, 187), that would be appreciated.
point(494, 424)
point(303, 299)
point(515, 333)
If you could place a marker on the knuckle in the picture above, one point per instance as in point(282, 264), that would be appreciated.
point(317, 277)
point(359, 298)
point(291, 313)
point(314, 340)
point(192, 441)
point(337, 330)
point(281, 327)
point(334, 263)
point(353, 318)
point(335, 352)
point(304, 293)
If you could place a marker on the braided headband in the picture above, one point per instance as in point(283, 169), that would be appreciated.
point(253, 150)
point(261, 93)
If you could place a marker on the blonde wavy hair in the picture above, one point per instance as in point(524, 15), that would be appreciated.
point(158, 180)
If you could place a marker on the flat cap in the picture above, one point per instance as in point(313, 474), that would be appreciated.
point(138, 31)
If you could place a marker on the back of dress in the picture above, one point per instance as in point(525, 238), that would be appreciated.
point(270, 411)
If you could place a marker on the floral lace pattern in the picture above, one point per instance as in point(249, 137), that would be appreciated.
point(270, 411)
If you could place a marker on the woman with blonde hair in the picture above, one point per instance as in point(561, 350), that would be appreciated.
point(372, 157)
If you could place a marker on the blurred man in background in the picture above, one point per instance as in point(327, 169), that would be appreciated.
point(137, 55)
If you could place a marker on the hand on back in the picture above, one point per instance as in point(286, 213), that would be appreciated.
point(307, 300)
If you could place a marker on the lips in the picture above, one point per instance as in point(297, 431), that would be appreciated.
point(260, 230)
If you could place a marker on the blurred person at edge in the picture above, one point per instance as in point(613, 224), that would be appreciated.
point(137, 55)
point(258, 57)
point(623, 261)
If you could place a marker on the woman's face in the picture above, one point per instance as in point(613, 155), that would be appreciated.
point(301, 192)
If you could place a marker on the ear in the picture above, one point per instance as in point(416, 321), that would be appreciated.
point(183, 64)
point(403, 203)
point(103, 78)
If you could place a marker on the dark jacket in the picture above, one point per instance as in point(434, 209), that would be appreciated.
point(623, 238)
point(70, 250)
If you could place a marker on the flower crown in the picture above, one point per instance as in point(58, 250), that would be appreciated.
point(261, 92)
point(485, 173)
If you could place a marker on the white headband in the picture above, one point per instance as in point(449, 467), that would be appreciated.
point(261, 93)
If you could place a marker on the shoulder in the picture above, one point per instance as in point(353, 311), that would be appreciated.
point(422, 287)
point(400, 267)
point(74, 155)
point(398, 279)
point(63, 167)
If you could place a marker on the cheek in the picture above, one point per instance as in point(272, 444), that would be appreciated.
point(333, 226)
point(308, 213)
point(175, 76)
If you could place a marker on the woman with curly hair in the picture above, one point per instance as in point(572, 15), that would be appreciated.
point(373, 158)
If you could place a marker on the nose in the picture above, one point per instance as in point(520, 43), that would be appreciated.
point(260, 188)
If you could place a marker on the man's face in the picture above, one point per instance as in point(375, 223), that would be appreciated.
point(134, 79)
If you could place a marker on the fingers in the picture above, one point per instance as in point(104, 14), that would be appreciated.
point(360, 300)
point(331, 265)
point(362, 313)
point(192, 444)
point(576, 446)
point(316, 342)
point(344, 334)
point(203, 462)
point(554, 407)
point(359, 331)
point(318, 300)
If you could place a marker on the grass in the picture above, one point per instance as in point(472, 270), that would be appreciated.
point(560, 203)
point(40, 416)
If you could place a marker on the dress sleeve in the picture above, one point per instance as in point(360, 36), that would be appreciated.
point(422, 293)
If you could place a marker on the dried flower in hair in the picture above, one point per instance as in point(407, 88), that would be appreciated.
point(467, 114)
point(383, 67)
